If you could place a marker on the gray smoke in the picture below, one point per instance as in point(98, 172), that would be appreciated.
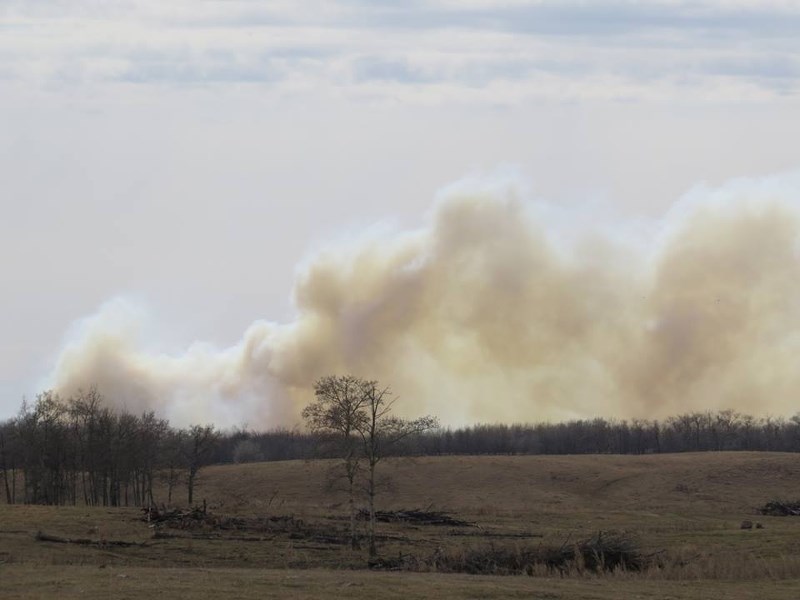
point(500, 309)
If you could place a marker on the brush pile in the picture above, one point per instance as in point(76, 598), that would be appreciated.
point(200, 518)
point(417, 517)
point(778, 508)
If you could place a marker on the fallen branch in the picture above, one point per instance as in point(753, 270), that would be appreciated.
point(44, 537)
point(494, 534)
point(165, 535)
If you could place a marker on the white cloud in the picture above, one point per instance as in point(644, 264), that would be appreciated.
point(521, 50)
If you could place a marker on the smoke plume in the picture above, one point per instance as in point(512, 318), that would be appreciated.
point(501, 309)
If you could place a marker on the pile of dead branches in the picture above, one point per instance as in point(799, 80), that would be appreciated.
point(417, 517)
point(778, 508)
point(402, 562)
point(176, 518)
point(200, 518)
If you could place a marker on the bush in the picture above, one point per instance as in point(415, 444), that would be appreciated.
point(604, 552)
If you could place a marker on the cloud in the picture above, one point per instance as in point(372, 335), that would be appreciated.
point(555, 50)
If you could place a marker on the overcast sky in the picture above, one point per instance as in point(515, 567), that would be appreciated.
point(189, 155)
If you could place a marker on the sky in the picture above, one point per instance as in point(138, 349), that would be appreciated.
point(191, 159)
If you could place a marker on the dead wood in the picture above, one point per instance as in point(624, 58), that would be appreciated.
point(779, 508)
point(44, 537)
point(494, 534)
point(200, 518)
point(418, 517)
point(199, 524)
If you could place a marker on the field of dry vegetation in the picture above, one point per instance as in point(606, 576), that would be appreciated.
point(279, 529)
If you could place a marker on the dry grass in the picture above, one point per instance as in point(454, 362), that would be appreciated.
point(136, 582)
point(687, 508)
point(515, 485)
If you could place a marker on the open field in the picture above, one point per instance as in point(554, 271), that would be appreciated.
point(684, 509)
point(137, 582)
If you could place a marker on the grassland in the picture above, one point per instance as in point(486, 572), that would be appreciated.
point(686, 509)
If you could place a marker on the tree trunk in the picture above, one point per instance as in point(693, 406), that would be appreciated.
point(8, 489)
point(352, 504)
point(170, 484)
point(373, 551)
point(150, 488)
point(5, 468)
point(190, 484)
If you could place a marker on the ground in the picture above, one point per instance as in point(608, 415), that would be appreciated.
point(684, 510)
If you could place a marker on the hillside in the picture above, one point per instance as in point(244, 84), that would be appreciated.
point(684, 508)
point(693, 484)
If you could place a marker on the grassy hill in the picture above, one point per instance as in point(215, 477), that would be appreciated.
point(707, 483)
point(686, 508)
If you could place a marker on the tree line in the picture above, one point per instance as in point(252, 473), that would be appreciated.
point(79, 451)
point(699, 431)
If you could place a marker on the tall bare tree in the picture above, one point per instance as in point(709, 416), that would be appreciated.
point(338, 414)
point(8, 455)
point(380, 432)
point(199, 446)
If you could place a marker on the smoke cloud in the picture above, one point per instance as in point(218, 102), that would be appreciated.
point(502, 309)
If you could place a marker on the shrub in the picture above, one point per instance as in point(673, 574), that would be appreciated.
point(604, 552)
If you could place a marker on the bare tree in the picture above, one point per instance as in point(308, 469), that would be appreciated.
point(338, 413)
point(172, 460)
point(152, 434)
point(8, 453)
point(198, 449)
point(380, 431)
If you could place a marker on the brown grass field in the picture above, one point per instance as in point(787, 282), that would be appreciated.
point(684, 509)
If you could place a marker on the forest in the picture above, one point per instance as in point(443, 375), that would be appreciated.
point(79, 451)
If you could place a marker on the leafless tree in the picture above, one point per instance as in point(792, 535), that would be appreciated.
point(172, 460)
point(338, 414)
point(198, 449)
point(8, 456)
point(380, 431)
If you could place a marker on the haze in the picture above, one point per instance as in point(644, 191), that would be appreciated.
point(505, 210)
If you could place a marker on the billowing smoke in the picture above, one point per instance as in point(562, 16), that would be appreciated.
point(501, 309)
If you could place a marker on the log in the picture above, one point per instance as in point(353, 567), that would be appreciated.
point(44, 537)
